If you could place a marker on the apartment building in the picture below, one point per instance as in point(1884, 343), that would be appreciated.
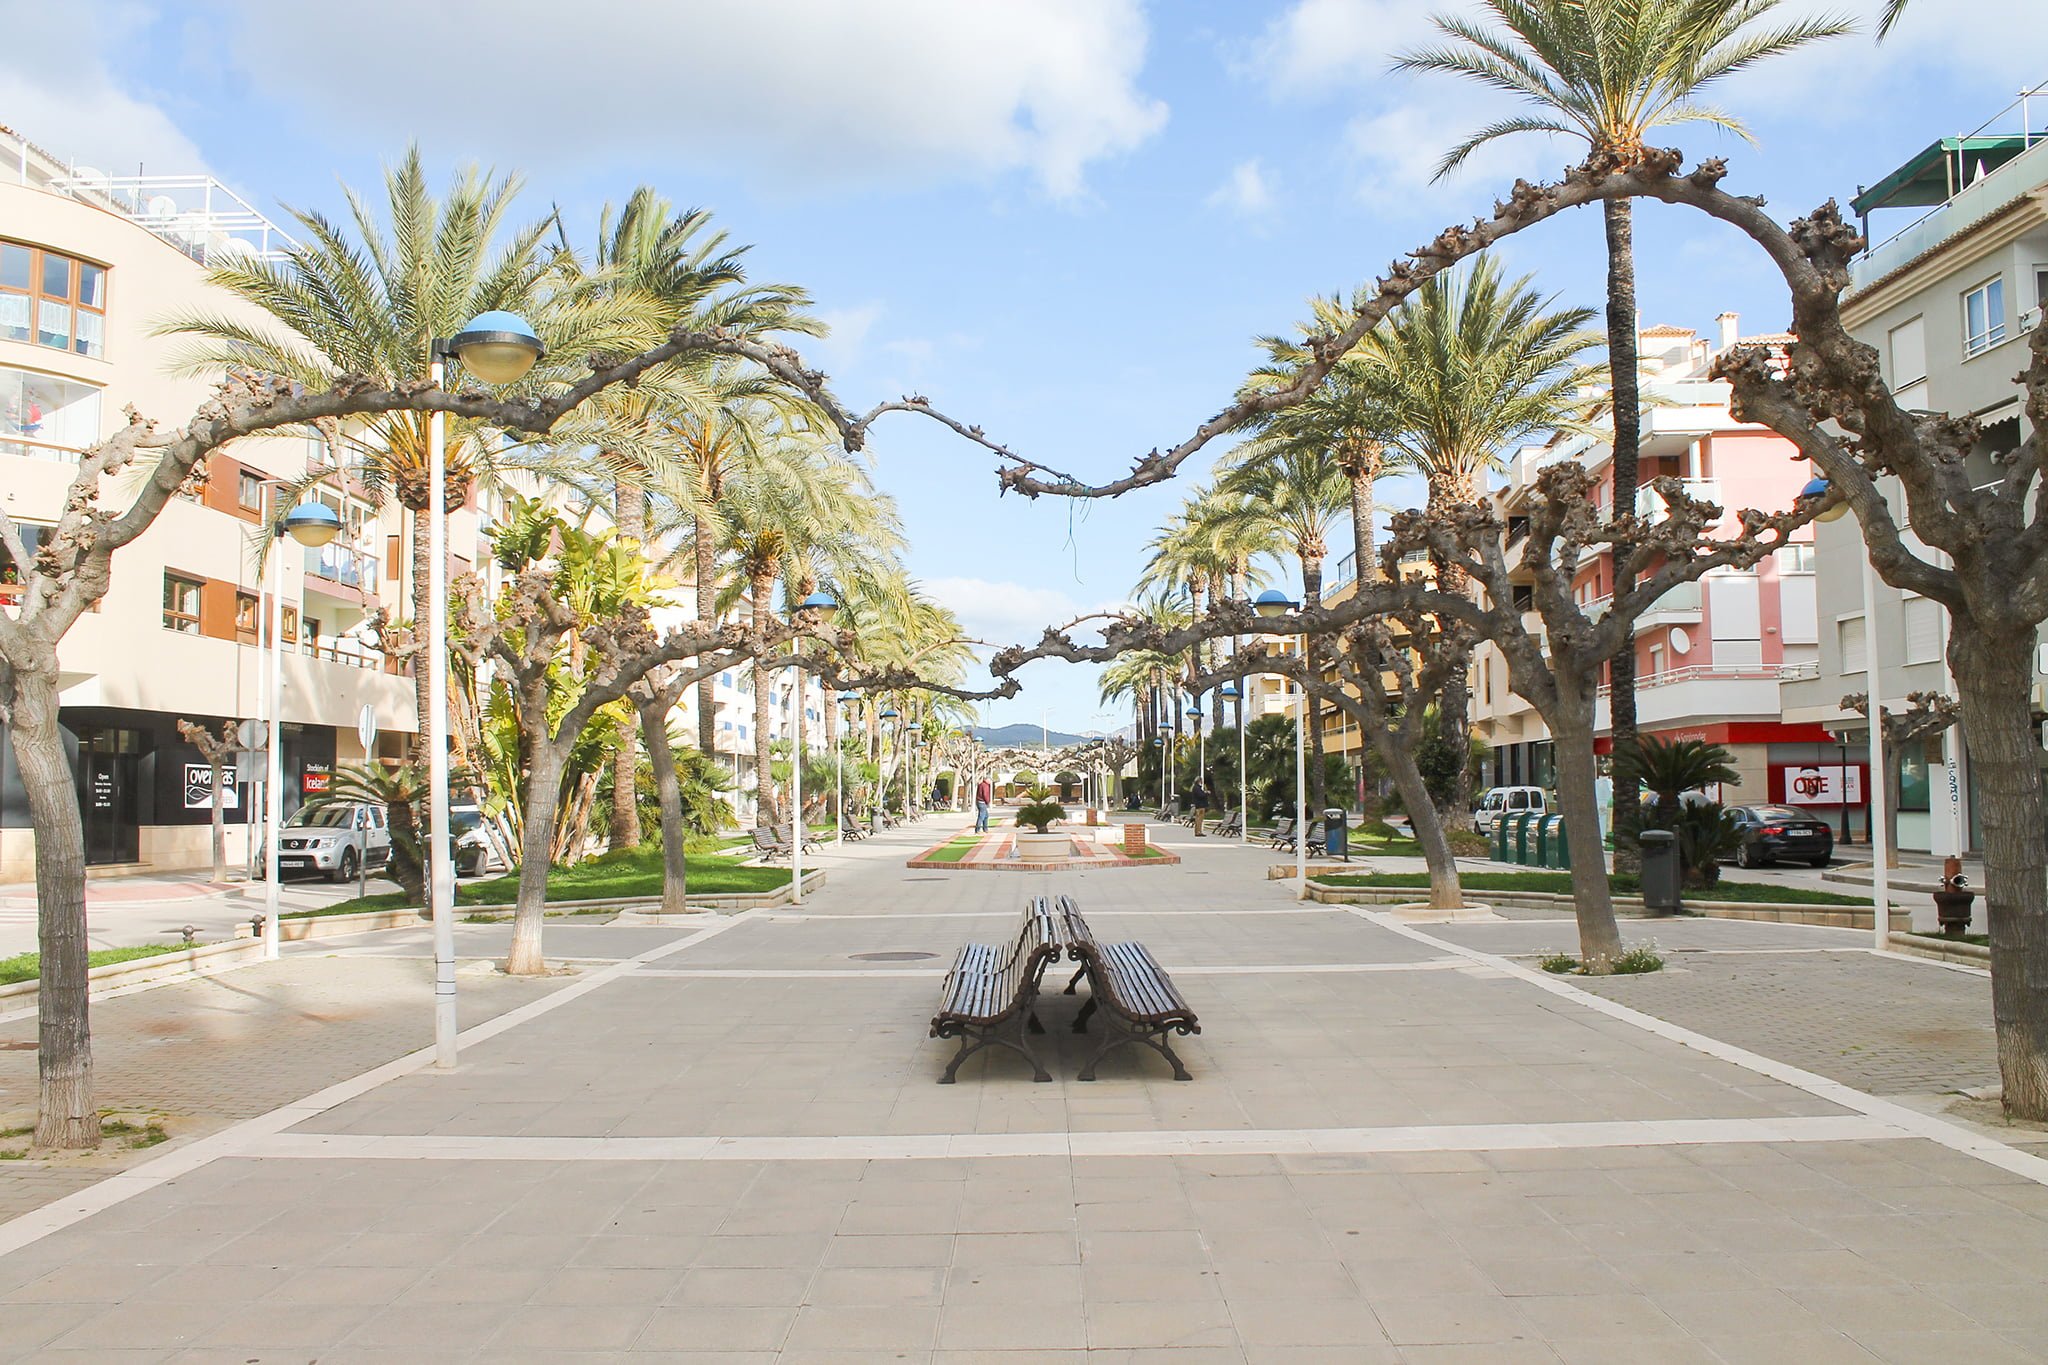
point(90, 264)
point(1711, 656)
point(1955, 278)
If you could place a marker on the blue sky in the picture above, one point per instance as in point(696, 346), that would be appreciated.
point(1062, 219)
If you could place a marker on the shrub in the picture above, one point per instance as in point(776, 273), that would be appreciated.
point(1467, 843)
point(1559, 963)
point(1039, 815)
point(1637, 960)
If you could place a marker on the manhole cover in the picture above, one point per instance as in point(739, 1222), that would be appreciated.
point(892, 957)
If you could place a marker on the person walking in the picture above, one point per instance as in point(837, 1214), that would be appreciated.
point(1198, 801)
point(983, 794)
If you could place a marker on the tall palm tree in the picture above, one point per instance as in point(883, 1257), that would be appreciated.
point(367, 298)
point(1300, 492)
point(1609, 73)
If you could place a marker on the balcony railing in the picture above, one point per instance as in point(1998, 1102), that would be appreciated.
point(1684, 597)
point(1650, 503)
point(1671, 677)
point(339, 564)
point(29, 448)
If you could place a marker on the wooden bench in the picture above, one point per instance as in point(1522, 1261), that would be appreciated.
point(991, 994)
point(1137, 999)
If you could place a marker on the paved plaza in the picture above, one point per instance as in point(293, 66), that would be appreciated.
point(723, 1141)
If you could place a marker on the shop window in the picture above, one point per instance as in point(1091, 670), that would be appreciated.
point(45, 417)
point(53, 300)
point(181, 604)
point(1916, 761)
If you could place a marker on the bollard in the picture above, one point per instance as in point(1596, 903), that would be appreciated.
point(1952, 902)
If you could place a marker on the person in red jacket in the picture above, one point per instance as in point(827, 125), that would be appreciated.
point(983, 795)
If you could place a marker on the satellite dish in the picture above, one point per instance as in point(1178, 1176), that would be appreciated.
point(161, 206)
point(1681, 643)
point(92, 177)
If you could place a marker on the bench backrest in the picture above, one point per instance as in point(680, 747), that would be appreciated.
point(766, 839)
point(1083, 948)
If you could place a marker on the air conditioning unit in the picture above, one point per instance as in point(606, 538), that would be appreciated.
point(2029, 320)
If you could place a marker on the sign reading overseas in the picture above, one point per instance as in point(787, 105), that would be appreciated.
point(199, 787)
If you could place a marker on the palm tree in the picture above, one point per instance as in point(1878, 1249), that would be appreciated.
point(1894, 10)
point(1299, 492)
point(367, 299)
point(1609, 73)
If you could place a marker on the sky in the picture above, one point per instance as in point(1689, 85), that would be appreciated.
point(1064, 220)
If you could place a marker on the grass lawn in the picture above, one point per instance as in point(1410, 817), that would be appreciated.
point(954, 850)
point(1560, 883)
point(636, 872)
point(26, 968)
point(1981, 940)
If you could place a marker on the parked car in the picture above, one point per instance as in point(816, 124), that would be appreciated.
point(1499, 801)
point(335, 840)
point(476, 851)
point(1769, 833)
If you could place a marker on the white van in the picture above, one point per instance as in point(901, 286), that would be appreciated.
point(1499, 801)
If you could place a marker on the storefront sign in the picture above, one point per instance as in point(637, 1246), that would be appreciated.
point(316, 781)
point(1816, 784)
point(199, 787)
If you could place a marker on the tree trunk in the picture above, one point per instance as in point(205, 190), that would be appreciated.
point(765, 812)
point(707, 610)
point(1312, 591)
point(1368, 567)
point(669, 792)
point(1571, 727)
point(66, 1116)
point(1622, 362)
point(629, 514)
point(543, 798)
point(1994, 670)
point(1397, 751)
point(219, 820)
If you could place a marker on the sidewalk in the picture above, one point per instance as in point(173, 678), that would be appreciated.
point(1400, 1144)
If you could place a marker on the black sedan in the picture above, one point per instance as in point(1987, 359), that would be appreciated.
point(1768, 834)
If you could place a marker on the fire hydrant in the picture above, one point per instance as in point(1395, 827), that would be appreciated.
point(1952, 902)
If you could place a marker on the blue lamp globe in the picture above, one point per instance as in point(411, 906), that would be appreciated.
point(891, 714)
point(1819, 487)
point(313, 524)
point(1230, 692)
point(1273, 602)
point(497, 347)
point(849, 696)
point(822, 603)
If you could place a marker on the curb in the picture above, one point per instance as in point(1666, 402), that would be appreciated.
point(1824, 916)
point(1941, 950)
point(200, 959)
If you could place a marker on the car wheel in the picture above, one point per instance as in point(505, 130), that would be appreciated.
point(1745, 856)
point(346, 871)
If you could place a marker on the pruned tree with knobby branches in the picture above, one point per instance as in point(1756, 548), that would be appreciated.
point(218, 748)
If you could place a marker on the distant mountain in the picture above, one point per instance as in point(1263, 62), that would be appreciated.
point(1023, 736)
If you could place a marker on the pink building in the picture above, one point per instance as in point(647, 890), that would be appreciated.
point(1710, 655)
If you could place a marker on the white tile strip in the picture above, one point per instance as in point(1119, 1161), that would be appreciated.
point(1934, 1129)
point(1469, 1137)
point(39, 1223)
point(793, 916)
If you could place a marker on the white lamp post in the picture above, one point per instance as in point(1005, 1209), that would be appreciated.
point(882, 786)
point(311, 524)
point(822, 607)
point(498, 348)
point(915, 730)
point(839, 775)
point(1231, 691)
point(1879, 837)
point(1272, 604)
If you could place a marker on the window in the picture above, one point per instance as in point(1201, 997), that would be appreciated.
point(245, 613)
point(1907, 343)
point(12, 574)
point(1849, 636)
point(249, 492)
point(1923, 631)
point(291, 624)
point(1656, 660)
point(2041, 286)
point(1983, 317)
point(52, 300)
point(1795, 559)
point(45, 417)
point(181, 604)
point(1915, 762)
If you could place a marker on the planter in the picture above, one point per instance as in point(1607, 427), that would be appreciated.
point(1035, 847)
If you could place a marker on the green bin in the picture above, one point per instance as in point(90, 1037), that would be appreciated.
point(1500, 837)
point(1522, 823)
point(1560, 844)
point(1542, 823)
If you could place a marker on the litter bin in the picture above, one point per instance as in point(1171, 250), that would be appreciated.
point(1542, 823)
point(1500, 838)
point(1523, 830)
point(1660, 871)
point(1560, 843)
point(1336, 834)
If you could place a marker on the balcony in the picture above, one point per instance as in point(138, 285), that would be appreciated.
point(1650, 504)
point(1678, 607)
point(339, 564)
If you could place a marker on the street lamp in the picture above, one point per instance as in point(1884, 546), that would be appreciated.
point(1273, 604)
point(915, 729)
point(820, 607)
point(1231, 692)
point(1876, 838)
point(311, 524)
point(496, 347)
point(839, 774)
point(882, 786)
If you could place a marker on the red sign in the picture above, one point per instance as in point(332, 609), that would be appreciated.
point(1817, 784)
point(316, 781)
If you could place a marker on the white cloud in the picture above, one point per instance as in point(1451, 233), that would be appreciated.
point(71, 104)
point(795, 93)
point(1246, 192)
point(1320, 45)
point(1004, 613)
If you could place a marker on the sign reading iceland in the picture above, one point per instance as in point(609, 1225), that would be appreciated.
point(199, 787)
point(1817, 784)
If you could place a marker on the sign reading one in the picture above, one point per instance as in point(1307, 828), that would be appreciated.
point(199, 787)
point(1817, 784)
